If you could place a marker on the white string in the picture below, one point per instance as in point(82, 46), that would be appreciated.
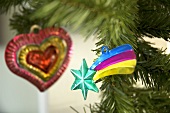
point(42, 102)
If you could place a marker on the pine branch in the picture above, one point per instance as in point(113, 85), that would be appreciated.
point(114, 100)
point(154, 18)
point(21, 22)
point(153, 66)
point(144, 101)
point(149, 101)
point(22, 17)
point(107, 18)
point(5, 5)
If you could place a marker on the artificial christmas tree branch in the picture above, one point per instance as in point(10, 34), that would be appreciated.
point(22, 18)
point(154, 18)
point(104, 19)
point(153, 73)
point(149, 101)
point(5, 5)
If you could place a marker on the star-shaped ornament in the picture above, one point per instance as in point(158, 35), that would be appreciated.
point(84, 79)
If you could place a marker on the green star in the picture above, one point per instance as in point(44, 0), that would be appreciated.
point(84, 79)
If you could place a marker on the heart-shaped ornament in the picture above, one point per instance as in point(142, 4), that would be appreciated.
point(39, 58)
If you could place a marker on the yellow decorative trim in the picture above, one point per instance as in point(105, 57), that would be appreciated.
point(52, 41)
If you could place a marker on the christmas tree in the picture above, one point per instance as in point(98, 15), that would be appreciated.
point(115, 22)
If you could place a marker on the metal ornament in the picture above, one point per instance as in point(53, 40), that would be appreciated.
point(39, 58)
point(84, 79)
point(120, 60)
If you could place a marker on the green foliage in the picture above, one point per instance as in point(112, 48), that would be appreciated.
point(5, 5)
point(107, 18)
point(154, 18)
point(21, 22)
point(115, 22)
point(144, 101)
point(149, 101)
point(152, 69)
point(114, 100)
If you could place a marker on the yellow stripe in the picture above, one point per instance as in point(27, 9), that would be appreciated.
point(125, 67)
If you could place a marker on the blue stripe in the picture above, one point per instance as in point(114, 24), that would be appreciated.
point(109, 53)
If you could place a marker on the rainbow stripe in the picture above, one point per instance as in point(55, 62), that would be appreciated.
point(120, 60)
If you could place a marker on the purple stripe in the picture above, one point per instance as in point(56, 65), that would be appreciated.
point(127, 55)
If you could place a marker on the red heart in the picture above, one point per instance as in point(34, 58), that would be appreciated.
point(44, 59)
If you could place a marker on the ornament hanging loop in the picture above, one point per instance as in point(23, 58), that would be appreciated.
point(104, 49)
point(35, 28)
